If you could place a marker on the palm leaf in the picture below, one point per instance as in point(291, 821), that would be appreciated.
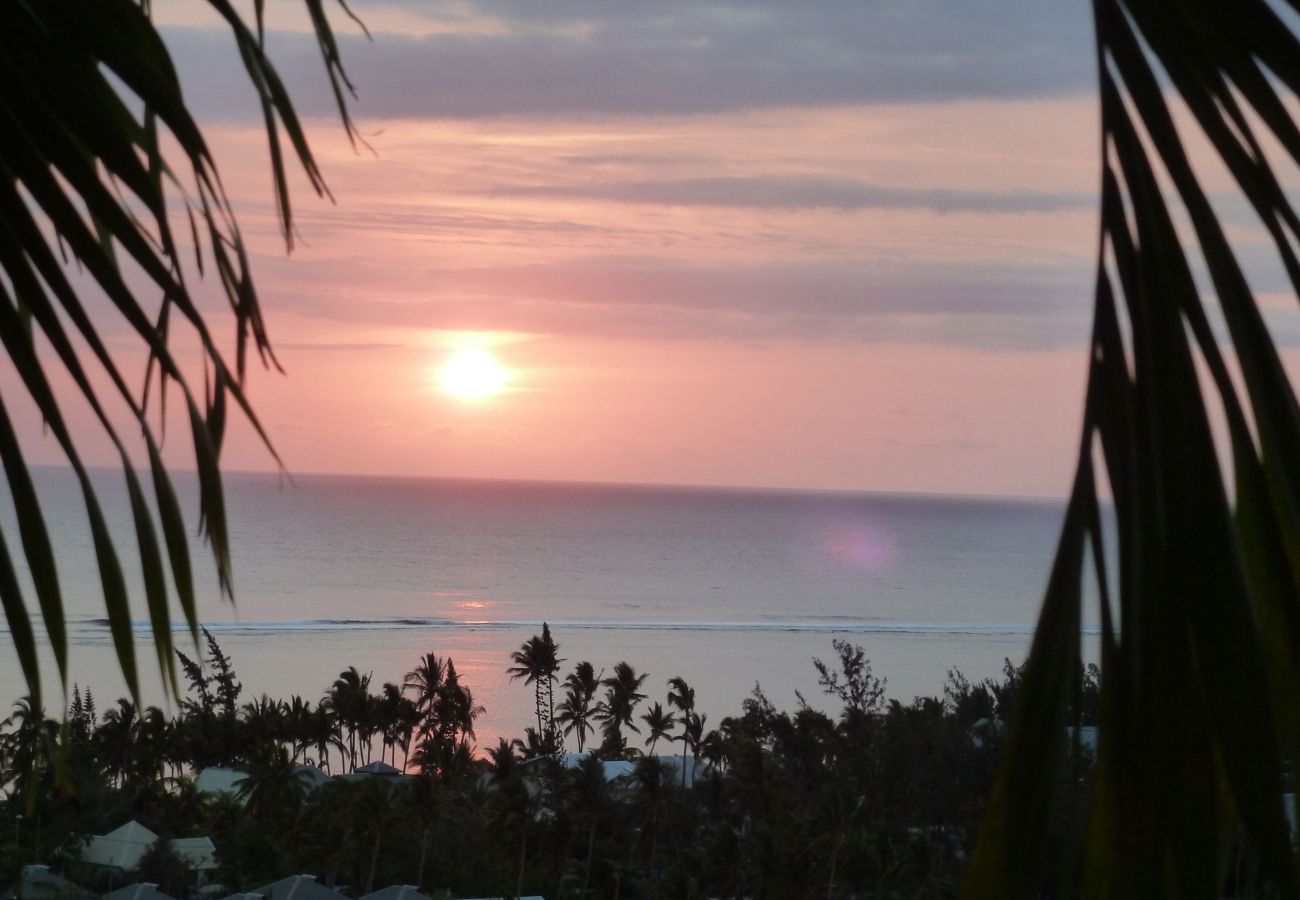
point(1200, 643)
point(85, 188)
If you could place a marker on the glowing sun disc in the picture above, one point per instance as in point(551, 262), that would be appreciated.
point(472, 373)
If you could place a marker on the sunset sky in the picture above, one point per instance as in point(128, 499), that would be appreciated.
point(838, 245)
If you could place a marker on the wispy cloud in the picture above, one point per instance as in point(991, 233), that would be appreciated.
point(970, 305)
point(809, 192)
point(338, 346)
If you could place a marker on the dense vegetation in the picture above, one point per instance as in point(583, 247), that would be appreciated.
point(883, 800)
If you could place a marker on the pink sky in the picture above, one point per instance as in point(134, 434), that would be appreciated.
point(659, 342)
point(740, 245)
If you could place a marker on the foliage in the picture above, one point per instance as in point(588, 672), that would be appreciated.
point(577, 711)
point(161, 866)
point(879, 803)
point(615, 711)
point(1200, 611)
point(537, 662)
point(87, 202)
point(859, 690)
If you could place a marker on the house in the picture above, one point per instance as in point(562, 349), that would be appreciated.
point(295, 887)
point(376, 769)
point(124, 847)
point(397, 892)
point(311, 777)
point(217, 780)
point(139, 891)
point(39, 883)
point(617, 769)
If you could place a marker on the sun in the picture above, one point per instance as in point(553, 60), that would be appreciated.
point(472, 374)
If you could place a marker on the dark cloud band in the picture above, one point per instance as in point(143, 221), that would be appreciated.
point(795, 192)
point(677, 58)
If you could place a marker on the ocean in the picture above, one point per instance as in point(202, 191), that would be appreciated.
point(727, 588)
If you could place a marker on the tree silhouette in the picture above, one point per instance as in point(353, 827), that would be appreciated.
point(615, 711)
point(576, 710)
point(89, 189)
point(682, 696)
point(660, 722)
point(537, 663)
point(1200, 609)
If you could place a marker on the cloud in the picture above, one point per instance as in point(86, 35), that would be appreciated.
point(580, 58)
point(970, 305)
point(802, 192)
point(333, 346)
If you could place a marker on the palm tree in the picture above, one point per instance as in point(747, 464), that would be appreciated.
point(369, 721)
point(408, 720)
point(378, 813)
point(272, 789)
point(660, 722)
point(536, 662)
point(152, 745)
point(576, 710)
point(28, 749)
point(693, 739)
point(455, 709)
point(514, 803)
point(393, 713)
point(622, 694)
point(425, 798)
point(117, 737)
point(322, 734)
point(64, 166)
point(502, 759)
point(652, 799)
point(298, 715)
point(682, 696)
point(1200, 637)
point(348, 700)
point(425, 681)
point(261, 723)
point(589, 799)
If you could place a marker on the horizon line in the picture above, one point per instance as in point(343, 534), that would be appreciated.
point(289, 476)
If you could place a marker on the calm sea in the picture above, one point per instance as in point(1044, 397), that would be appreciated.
point(727, 588)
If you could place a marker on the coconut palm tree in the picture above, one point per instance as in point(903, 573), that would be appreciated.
point(424, 809)
point(261, 723)
point(682, 696)
point(693, 734)
point(1198, 569)
point(615, 711)
point(117, 737)
point(537, 663)
point(425, 682)
point(377, 812)
point(28, 749)
point(652, 800)
point(660, 722)
point(298, 715)
point(455, 708)
point(347, 700)
point(153, 745)
point(272, 789)
point(396, 717)
point(589, 801)
point(576, 710)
